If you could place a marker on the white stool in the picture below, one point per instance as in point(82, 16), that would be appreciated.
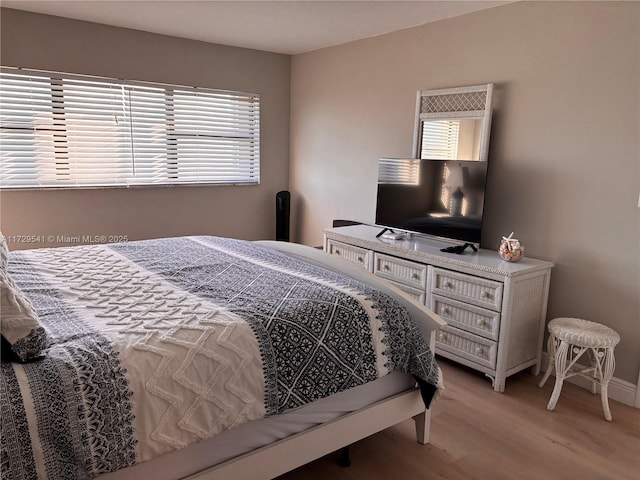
point(569, 338)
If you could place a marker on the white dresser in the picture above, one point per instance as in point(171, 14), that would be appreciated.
point(495, 310)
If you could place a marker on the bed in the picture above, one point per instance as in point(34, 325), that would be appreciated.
point(202, 358)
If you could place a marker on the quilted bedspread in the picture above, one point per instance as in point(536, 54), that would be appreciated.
point(158, 344)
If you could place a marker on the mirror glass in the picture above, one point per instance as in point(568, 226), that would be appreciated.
point(453, 123)
point(451, 139)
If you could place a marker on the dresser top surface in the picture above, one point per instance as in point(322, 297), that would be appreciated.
point(420, 247)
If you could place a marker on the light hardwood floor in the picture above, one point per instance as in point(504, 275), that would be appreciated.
point(479, 434)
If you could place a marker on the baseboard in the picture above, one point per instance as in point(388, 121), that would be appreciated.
point(619, 390)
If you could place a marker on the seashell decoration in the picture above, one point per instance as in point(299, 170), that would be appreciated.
point(511, 249)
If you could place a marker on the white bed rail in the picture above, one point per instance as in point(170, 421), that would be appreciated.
point(291, 452)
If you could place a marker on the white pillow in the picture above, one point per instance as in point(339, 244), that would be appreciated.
point(19, 323)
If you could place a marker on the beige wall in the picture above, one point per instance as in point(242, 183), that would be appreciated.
point(564, 152)
point(39, 41)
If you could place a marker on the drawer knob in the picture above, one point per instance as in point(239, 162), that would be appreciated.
point(360, 259)
point(337, 252)
point(480, 352)
point(416, 276)
point(386, 267)
point(482, 323)
point(486, 294)
point(448, 285)
point(443, 336)
point(446, 311)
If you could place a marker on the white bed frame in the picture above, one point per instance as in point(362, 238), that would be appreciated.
point(291, 452)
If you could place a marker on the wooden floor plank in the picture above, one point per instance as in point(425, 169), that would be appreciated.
point(479, 434)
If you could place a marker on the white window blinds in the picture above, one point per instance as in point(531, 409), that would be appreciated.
point(399, 171)
point(58, 130)
point(440, 139)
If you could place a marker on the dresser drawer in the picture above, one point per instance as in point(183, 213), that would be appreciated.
point(481, 321)
point(418, 295)
point(467, 345)
point(402, 271)
point(467, 288)
point(357, 255)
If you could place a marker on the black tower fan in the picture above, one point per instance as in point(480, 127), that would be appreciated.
point(283, 202)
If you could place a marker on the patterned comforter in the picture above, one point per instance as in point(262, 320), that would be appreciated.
point(162, 343)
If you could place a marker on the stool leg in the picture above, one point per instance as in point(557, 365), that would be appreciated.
point(552, 360)
point(607, 373)
point(561, 366)
point(593, 354)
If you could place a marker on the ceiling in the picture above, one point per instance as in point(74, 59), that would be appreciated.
point(290, 27)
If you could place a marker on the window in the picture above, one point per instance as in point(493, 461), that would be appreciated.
point(59, 130)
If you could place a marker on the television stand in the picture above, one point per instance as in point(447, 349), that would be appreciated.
point(495, 310)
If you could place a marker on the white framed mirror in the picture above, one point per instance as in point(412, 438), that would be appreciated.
point(453, 123)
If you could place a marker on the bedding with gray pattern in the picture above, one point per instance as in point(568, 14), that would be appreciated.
point(157, 344)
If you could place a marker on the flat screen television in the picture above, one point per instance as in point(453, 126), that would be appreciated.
point(443, 198)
